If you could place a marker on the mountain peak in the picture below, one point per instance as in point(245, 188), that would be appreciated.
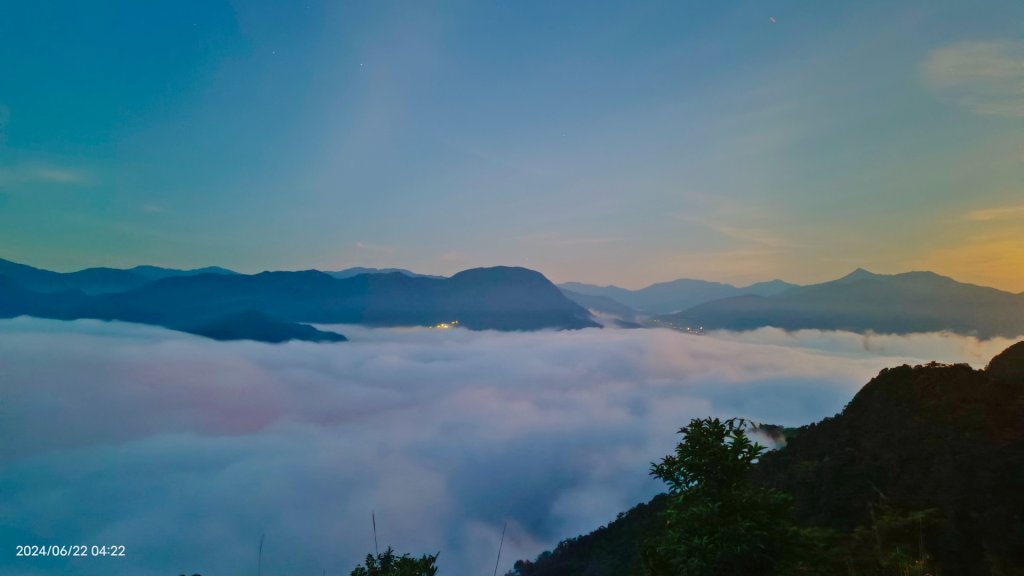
point(858, 274)
point(500, 274)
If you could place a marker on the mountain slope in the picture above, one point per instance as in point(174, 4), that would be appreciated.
point(947, 438)
point(946, 442)
point(862, 301)
point(603, 305)
point(92, 280)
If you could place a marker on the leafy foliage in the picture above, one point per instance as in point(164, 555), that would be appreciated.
point(718, 522)
point(388, 564)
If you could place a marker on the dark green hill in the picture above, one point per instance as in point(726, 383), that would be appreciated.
point(1009, 365)
point(615, 549)
point(935, 441)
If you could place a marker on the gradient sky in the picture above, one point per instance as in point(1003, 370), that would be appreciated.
point(608, 142)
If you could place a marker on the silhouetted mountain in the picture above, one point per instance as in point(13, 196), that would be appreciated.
point(157, 272)
point(246, 325)
point(855, 276)
point(357, 270)
point(669, 297)
point(862, 301)
point(92, 280)
point(1009, 365)
point(15, 300)
point(31, 278)
point(944, 438)
point(506, 298)
point(103, 280)
point(769, 288)
point(499, 298)
point(252, 325)
point(937, 449)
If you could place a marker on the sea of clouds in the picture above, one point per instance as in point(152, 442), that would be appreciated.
point(187, 451)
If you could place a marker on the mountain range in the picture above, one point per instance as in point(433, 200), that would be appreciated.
point(504, 298)
point(862, 302)
point(93, 280)
point(676, 295)
point(275, 306)
point(357, 270)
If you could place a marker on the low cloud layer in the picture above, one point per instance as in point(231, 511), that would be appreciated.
point(187, 450)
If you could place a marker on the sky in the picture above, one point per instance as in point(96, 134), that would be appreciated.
point(186, 451)
point(604, 142)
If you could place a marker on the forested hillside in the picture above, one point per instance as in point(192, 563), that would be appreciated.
point(921, 473)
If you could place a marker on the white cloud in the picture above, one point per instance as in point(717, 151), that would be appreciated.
point(1001, 213)
point(940, 347)
point(986, 77)
point(186, 450)
point(41, 174)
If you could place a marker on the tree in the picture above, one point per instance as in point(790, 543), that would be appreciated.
point(388, 564)
point(718, 522)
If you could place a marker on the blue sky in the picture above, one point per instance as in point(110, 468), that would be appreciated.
point(609, 142)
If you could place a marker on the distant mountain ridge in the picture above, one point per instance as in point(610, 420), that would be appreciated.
point(676, 295)
point(157, 272)
point(357, 270)
point(863, 301)
point(860, 301)
point(94, 280)
point(102, 280)
point(506, 298)
point(267, 306)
